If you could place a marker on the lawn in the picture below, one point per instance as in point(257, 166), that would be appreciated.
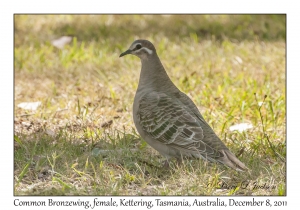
point(81, 139)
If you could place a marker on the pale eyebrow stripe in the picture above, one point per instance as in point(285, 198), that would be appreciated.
point(145, 48)
point(148, 50)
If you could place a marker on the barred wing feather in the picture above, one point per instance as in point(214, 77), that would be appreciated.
point(168, 120)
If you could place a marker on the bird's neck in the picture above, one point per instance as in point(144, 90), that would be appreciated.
point(153, 75)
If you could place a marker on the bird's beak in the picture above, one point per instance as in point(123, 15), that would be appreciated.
point(126, 52)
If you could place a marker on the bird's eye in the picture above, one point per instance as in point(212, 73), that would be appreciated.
point(138, 46)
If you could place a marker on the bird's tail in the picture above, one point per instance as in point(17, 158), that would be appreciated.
point(232, 161)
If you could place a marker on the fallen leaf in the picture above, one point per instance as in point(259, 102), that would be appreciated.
point(106, 124)
point(61, 41)
point(240, 127)
point(50, 132)
point(238, 59)
point(29, 105)
point(27, 124)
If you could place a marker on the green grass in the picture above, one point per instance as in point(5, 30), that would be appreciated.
point(82, 141)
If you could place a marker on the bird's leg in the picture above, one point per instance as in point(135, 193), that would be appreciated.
point(166, 164)
point(179, 161)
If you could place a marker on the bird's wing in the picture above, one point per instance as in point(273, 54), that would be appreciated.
point(169, 121)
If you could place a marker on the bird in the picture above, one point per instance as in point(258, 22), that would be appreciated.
point(168, 120)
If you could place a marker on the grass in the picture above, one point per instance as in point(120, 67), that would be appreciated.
point(82, 141)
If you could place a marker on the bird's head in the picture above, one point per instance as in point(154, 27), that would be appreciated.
point(141, 48)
